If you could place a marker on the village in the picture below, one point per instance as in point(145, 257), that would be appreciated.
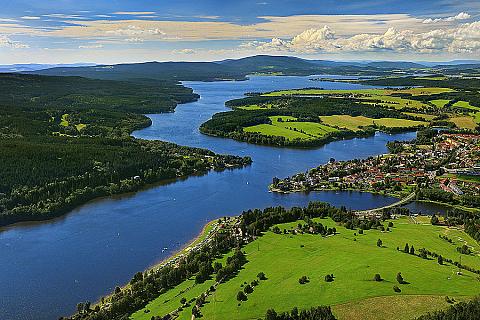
point(450, 162)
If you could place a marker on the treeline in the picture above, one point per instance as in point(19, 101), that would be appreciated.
point(315, 313)
point(469, 310)
point(150, 284)
point(448, 197)
point(470, 221)
point(42, 178)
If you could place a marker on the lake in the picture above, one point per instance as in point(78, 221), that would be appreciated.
point(46, 268)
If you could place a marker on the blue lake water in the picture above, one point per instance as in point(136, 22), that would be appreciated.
point(46, 268)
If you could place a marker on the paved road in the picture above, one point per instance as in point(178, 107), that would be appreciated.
point(405, 200)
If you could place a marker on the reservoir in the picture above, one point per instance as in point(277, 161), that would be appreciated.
point(46, 268)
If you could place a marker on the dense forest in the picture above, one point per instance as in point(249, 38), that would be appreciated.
point(230, 124)
point(66, 140)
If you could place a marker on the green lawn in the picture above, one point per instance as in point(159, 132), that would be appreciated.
point(353, 260)
point(476, 116)
point(355, 123)
point(64, 121)
point(466, 105)
point(285, 128)
point(439, 103)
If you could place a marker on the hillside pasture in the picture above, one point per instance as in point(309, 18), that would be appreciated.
point(356, 123)
point(353, 259)
point(290, 129)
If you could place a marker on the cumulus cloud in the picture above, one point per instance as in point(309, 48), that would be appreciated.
point(464, 38)
point(460, 16)
point(136, 31)
point(6, 42)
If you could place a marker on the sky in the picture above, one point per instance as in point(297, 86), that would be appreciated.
point(116, 31)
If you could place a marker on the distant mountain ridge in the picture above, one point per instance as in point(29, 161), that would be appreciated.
point(22, 67)
point(238, 69)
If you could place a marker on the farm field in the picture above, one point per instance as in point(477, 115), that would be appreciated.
point(439, 103)
point(372, 92)
point(288, 128)
point(355, 123)
point(353, 259)
point(465, 122)
point(466, 105)
point(384, 97)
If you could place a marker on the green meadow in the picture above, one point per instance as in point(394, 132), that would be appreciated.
point(439, 103)
point(353, 259)
point(465, 105)
point(356, 123)
point(384, 97)
point(289, 128)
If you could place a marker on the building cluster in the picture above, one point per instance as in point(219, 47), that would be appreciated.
point(451, 162)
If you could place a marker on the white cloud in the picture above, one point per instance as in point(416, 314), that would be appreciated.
point(133, 30)
point(184, 51)
point(460, 16)
point(7, 20)
point(464, 38)
point(134, 40)
point(6, 42)
point(30, 18)
point(134, 13)
point(91, 46)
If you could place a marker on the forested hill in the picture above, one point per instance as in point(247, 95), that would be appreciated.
point(231, 69)
point(66, 140)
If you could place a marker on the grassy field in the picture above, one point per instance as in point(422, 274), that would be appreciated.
point(465, 105)
point(384, 97)
point(355, 123)
point(371, 92)
point(64, 122)
point(402, 307)
point(439, 103)
point(476, 116)
point(353, 259)
point(285, 128)
point(465, 122)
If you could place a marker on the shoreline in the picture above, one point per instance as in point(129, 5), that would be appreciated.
point(202, 235)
